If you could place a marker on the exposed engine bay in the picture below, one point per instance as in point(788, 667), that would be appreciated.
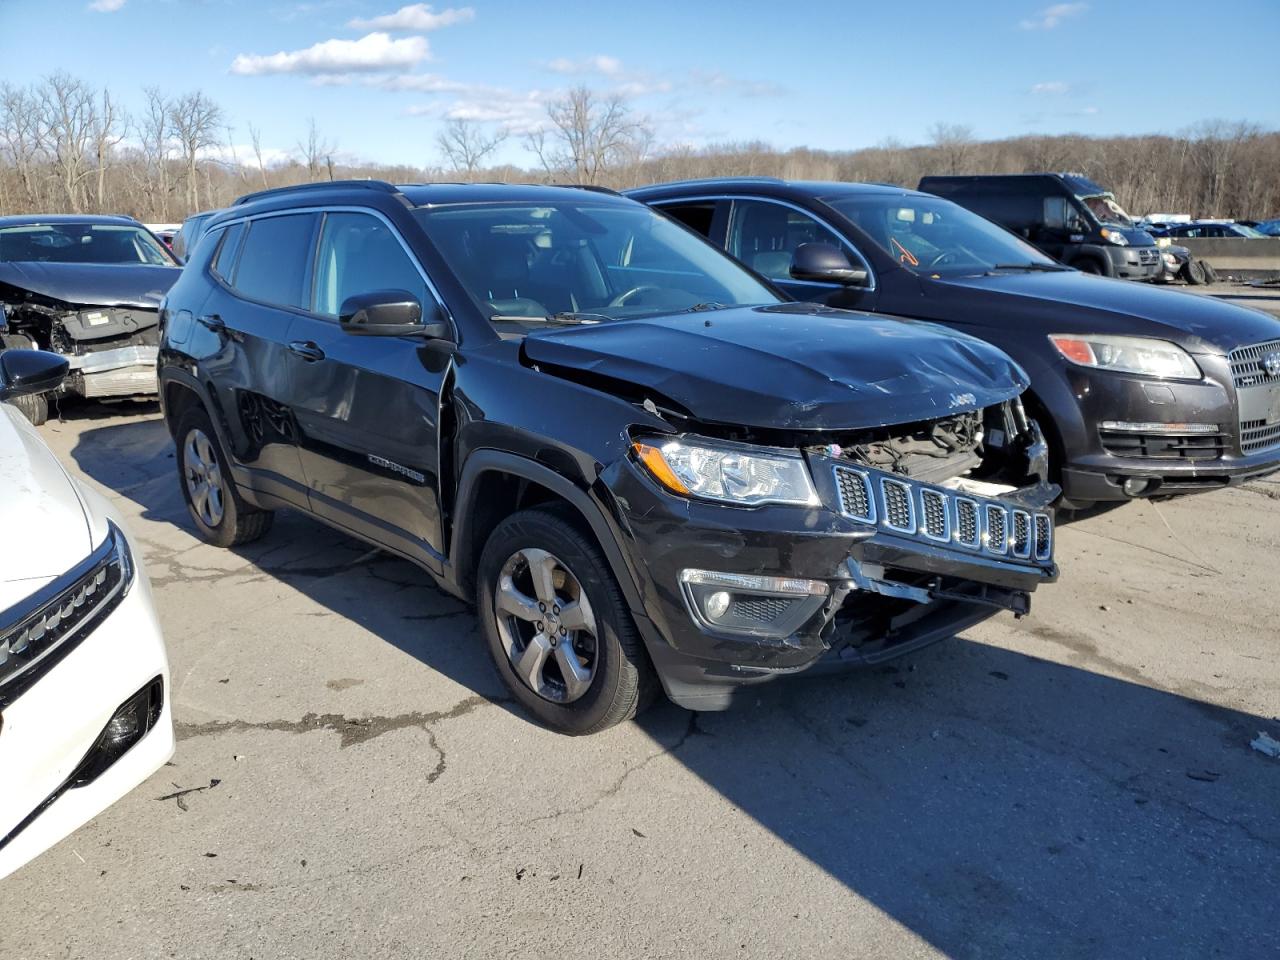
point(981, 444)
point(111, 347)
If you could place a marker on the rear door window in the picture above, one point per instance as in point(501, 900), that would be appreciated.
point(274, 260)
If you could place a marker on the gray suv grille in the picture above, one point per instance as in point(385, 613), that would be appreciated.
point(945, 517)
point(1254, 387)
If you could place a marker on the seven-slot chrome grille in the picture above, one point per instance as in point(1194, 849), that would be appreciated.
point(910, 508)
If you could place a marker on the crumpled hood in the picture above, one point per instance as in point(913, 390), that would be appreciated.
point(1071, 302)
point(792, 366)
point(93, 284)
point(43, 528)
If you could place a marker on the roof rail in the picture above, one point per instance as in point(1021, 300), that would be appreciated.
point(699, 180)
point(594, 188)
point(379, 185)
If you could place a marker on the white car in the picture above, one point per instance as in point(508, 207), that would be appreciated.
point(84, 680)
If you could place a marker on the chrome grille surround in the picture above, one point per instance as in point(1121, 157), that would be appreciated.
point(940, 515)
point(1259, 430)
point(1246, 364)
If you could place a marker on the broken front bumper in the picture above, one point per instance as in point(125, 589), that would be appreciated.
point(858, 579)
point(122, 372)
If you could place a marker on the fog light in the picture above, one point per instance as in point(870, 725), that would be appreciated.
point(121, 728)
point(717, 604)
point(751, 604)
point(1135, 486)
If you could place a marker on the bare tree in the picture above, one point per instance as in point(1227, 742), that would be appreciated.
point(108, 131)
point(1215, 146)
point(22, 136)
point(954, 143)
point(69, 115)
point(195, 121)
point(255, 137)
point(465, 146)
point(588, 135)
point(316, 151)
point(155, 132)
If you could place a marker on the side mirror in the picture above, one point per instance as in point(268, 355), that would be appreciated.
point(390, 313)
point(25, 372)
point(823, 263)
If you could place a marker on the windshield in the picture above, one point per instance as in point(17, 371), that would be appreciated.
point(934, 236)
point(583, 262)
point(1105, 208)
point(82, 243)
point(1246, 231)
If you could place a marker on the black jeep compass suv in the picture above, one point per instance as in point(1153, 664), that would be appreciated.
point(636, 460)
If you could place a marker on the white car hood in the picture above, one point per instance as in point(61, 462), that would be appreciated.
point(44, 530)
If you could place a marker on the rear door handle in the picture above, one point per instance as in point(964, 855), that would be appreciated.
point(307, 350)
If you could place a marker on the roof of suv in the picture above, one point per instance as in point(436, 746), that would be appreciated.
point(767, 186)
point(422, 194)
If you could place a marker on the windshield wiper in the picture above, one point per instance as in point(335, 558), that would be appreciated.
point(707, 305)
point(1039, 267)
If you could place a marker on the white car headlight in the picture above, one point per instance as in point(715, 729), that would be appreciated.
point(727, 472)
point(1114, 236)
point(1142, 355)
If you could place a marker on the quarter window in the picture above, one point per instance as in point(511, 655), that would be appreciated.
point(765, 236)
point(273, 261)
point(360, 254)
point(224, 261)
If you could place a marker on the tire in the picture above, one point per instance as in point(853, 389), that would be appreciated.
point(34, 406)
point(221, 516)
point(1194, 272)
point(1210, 274)
point(1088, 266)
point(621, 680)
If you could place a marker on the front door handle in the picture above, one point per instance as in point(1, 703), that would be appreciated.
point(307, 350)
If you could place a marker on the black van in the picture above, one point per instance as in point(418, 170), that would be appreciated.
point(1066, 215)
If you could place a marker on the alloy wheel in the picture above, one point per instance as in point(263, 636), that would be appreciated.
point(203, 476)
point(546, 625)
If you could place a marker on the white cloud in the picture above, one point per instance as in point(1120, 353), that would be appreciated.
point(415, 18)
point(609, 66)
point(372, 53)
point(1051, 88)
point(1050, 17)
point(106, 6)
point(418, 83)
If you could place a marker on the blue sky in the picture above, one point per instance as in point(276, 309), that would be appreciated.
point(380, 76)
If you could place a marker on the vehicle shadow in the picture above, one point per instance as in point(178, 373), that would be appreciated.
point(993, 803)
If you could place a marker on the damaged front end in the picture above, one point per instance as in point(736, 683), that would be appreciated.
point(914, 533)
point(111, 345)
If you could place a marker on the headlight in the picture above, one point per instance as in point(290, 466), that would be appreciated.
point(1114, 236)
point(1149, 357)
point(44, 627)
point(1171, 260)
point(727, 472)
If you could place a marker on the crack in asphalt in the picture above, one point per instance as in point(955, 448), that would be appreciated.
point(692, 730)
point(351, 730)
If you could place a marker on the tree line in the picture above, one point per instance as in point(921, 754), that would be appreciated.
point(67, 147)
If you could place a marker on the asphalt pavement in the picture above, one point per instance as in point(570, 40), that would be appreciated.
point(1078, 783)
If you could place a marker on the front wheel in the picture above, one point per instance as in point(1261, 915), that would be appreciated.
point(1088, 266)
point(34, 406)
point(220, 514)
point(557, 626)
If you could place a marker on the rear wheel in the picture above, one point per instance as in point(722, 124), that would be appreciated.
point(221, 516)
point(1194, 272)
point(558, 628)
point(34, 406)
